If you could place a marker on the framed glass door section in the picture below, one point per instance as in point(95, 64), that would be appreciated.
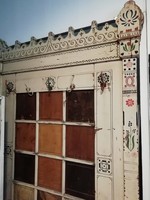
point(69, 144)
point(55, 146)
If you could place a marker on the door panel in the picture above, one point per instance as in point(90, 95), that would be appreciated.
point(23, 193)
point(50, 173)
point(69, 145)
point(25, 136)
point(50, 106)
point(50, 139)
point(80, 142)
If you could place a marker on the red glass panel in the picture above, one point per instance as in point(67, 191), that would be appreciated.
point(80, 106)
point(80, 142)
point(50, 173)
point(25, 136)
point(50, 139)
point(80, 180)
point(26, 106)
point(24, 168)
point(51, 106)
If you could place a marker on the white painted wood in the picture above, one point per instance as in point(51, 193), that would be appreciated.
point(109, 134)
point(104, 183)
point(2, 122)
point(145, 103)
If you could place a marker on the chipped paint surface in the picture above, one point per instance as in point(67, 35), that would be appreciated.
point(47, 83)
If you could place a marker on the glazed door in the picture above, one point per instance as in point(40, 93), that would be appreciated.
point(68, 143)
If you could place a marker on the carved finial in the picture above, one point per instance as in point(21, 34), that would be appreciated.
point(33, 41)
point(70, 31)
point(130, 20)
point(3, 45)
point(51, 35)
point(94, 24)
point(17, 44)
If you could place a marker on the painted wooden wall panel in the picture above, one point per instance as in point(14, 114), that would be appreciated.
point(24, 168)
point(80, 142)
point(23, 193)
point(47, 196)
point(50, 173)
point(26, 106)
point(80, 180)
point(50, 139)
point(80, 106)
point(25, 137)
point(50, 106)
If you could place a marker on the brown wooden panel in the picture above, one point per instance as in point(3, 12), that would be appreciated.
point(26, 106)
point(50, 173)
point(51, 106)
point(80, 142)
point(23, 193)
point(25, 136)
point(80, 180)
point(50, 139)
point(24, 168)
point(80, 106)
point(47, 196)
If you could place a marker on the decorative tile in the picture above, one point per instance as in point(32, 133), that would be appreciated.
point(130, 136)
point(129, 76)
point(130, 102)
point(104, 166)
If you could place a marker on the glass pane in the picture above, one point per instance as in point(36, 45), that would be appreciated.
point(26, 106)
point(80, 180)
point(46, 196)
point(51, 105)
point(50, 139)
point(23, 193)
point(50, 173)
point(80, 106)
point(80, 142)
point(24, 167)
point(25, 136)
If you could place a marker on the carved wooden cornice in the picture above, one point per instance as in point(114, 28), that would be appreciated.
point(125, 31)
point(72, 40)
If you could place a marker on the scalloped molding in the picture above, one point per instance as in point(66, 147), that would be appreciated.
point(55, 44)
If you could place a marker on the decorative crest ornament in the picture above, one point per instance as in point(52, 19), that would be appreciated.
point(130, 21)
point(104, 80)
point(50, 83)
point(10, 87)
